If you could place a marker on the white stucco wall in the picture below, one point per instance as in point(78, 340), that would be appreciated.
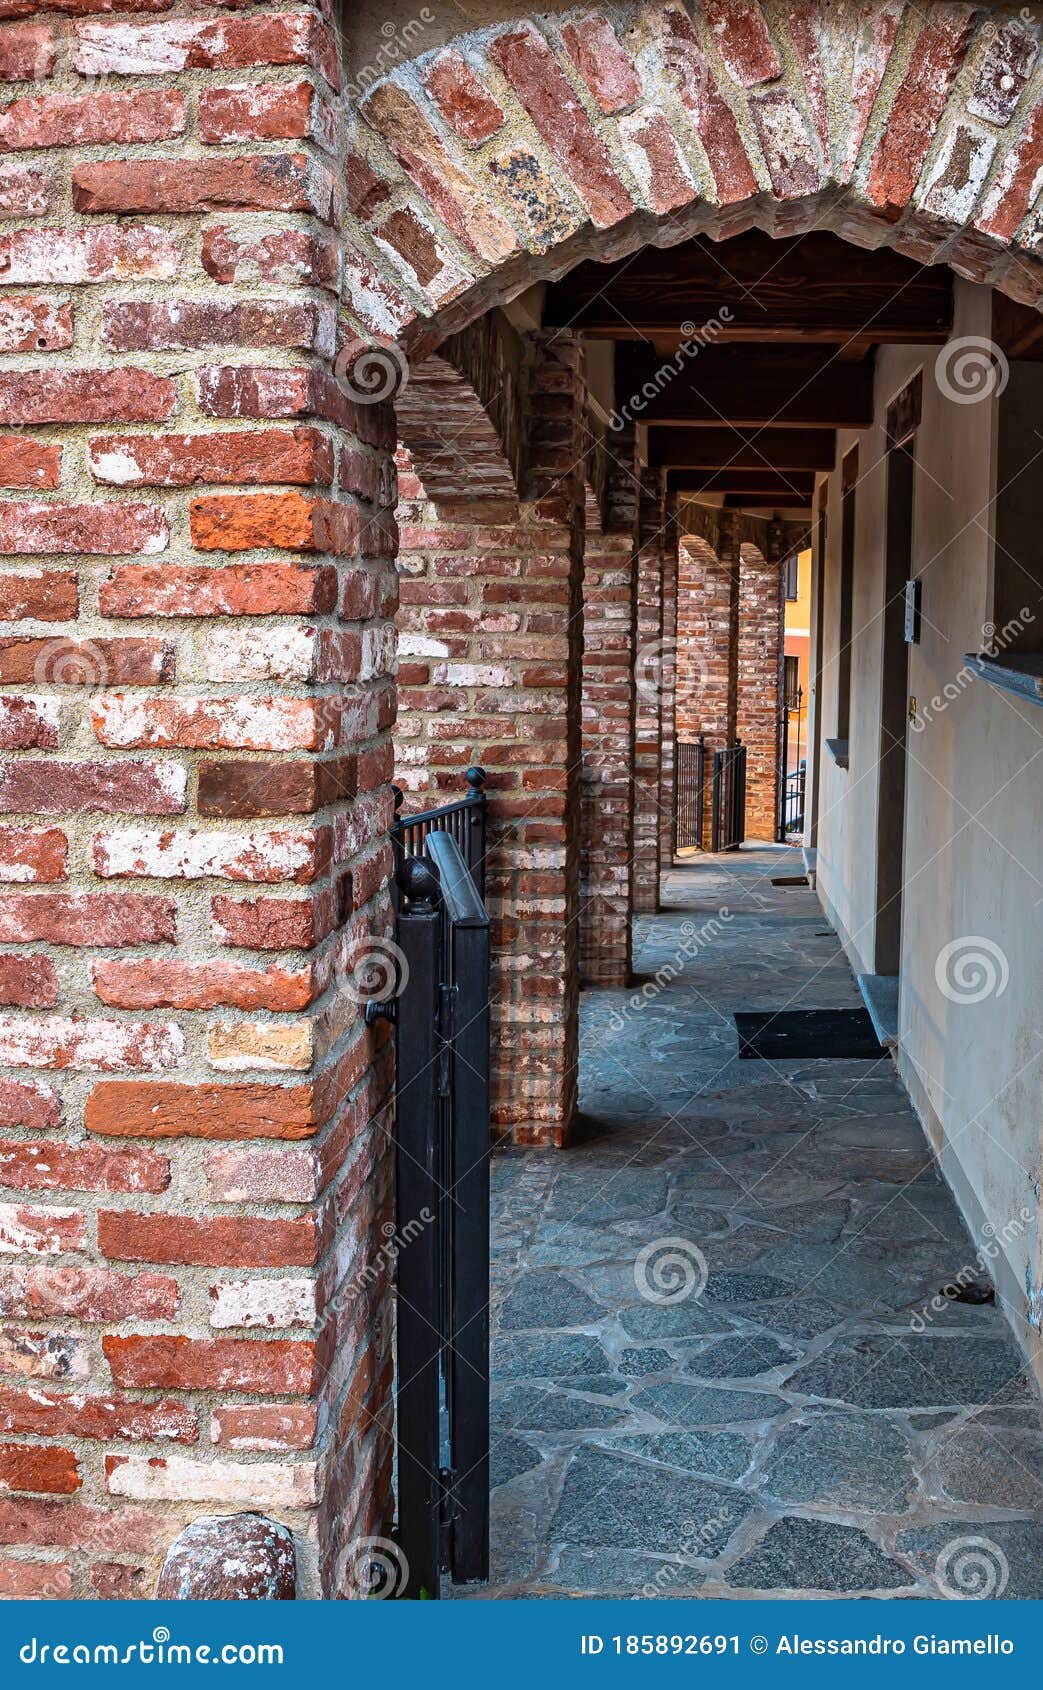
point(973, 822)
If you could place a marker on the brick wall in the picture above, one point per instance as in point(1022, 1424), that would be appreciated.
point(489, 673)
point(195, 716)
point(668, 696)
point(707, 612)
point(654, 670)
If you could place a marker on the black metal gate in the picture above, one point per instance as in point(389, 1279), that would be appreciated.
point(689, 794)
point(791, 784)
point(728, 801)
point(442, 1199)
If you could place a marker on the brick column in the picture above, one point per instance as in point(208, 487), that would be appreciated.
point(609, 624)
point(668, 696)
point(194, 801)
point(759, 665)
point(490, 637)
point(707, 611)
point(653, 659)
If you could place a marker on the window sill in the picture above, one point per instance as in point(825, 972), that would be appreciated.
point(1020, 675)
point(837, 749)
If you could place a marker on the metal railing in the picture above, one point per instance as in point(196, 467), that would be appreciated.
point(689, 794)
point(728, 800)
point(791, 802)
point(442, 1139)
point(463, 819)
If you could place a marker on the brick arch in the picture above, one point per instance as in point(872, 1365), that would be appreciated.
point(512, 153)
point(458, 418)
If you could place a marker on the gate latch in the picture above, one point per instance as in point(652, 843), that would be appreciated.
point(446, 1031)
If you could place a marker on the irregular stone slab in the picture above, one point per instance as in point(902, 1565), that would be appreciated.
point(637, 1363)
point(727, 1287)
point(509, 1457)
point(546, 1355)
point(843, 1461)
point(593, 1572)
point(915, 1372)
point(545, 1299)
point(801, 1555)
point(739, 1358)
point(607, 1501)
point(531, 1409)
point(230, 1558)
point(682, 1404)
point(719, 1455)
point(797, 1317)
point(972, 1559)
point(997, 1466)
point(597, 1384)
point(690, 1319)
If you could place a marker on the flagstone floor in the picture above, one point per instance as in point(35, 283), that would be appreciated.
point(709, 1378)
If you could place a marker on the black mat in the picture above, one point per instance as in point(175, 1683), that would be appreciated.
point(790, 880)
point(784, 1034)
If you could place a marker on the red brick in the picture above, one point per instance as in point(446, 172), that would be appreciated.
point(157, 49)
point(245, 390)
point(297, 456)
point(260, 111)
point(23, 192)
point(710, 112)
point(100, 1047)
point(248, 787)
point(115, 788)
point(246, 1173)
point(91, 918)
point(145, 983)
point(608, 71)
point(92, 396)
point(289, 256)
point(43, 1523)
point(273, 182)
point(58, 1415)
point(32, 1467)
point(261, 1425)
point(286, 521)
point(28, 982)
point(934, 65)
point(1013, 192)
point(50, 1165)
point(50, 120)
point(277, 1365)
point(32, 1231)
point(186, 589)
point(544, 90)
point(89, 663)
point(27, 52)
point(299, 854)
point(743, 39)
point(116, 1581)
point(34, 325)
point(29, 463)
point(108, 530)
point(212, 1241)
point(142, 327)
point(367, 191)
point(28, 724)
point(463, 100)
point(113, 253)
point(143, 1109)
point(212, 723)
point(35, 1581)
point(49, 595)
point(86, 1293)
point(29, 1104)
point(273, 924)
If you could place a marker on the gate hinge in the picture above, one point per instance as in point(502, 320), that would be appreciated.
point(447, 1510)
point(446, 1031)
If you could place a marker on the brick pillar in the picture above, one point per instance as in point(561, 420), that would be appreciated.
point(609, 623)
point(759, 663)
point(707, 610)
point(653, 660)
point(194, 802)
point(668, 696)
point(490, 637)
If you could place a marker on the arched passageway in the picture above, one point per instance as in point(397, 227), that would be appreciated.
point(213, 299)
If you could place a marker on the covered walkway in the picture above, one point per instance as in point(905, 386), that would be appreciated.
point(720, 1362)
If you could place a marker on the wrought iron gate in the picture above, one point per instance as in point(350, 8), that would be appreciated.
point(442, 1137)
point(728, 802)
point(689, 794)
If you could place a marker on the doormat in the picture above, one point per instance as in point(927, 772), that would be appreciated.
point(786, 1034)
point(791, 880)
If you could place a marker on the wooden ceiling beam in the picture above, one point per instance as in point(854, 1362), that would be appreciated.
point(781, 489)
point(766, 387)
point(734, 449)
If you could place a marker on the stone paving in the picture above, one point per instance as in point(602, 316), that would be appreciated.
point(709, 1377)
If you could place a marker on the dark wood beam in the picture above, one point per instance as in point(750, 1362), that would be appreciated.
point(730, 448)
point(814, 288)
point(760, 501)
point(750, 387)
point(780, 489)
